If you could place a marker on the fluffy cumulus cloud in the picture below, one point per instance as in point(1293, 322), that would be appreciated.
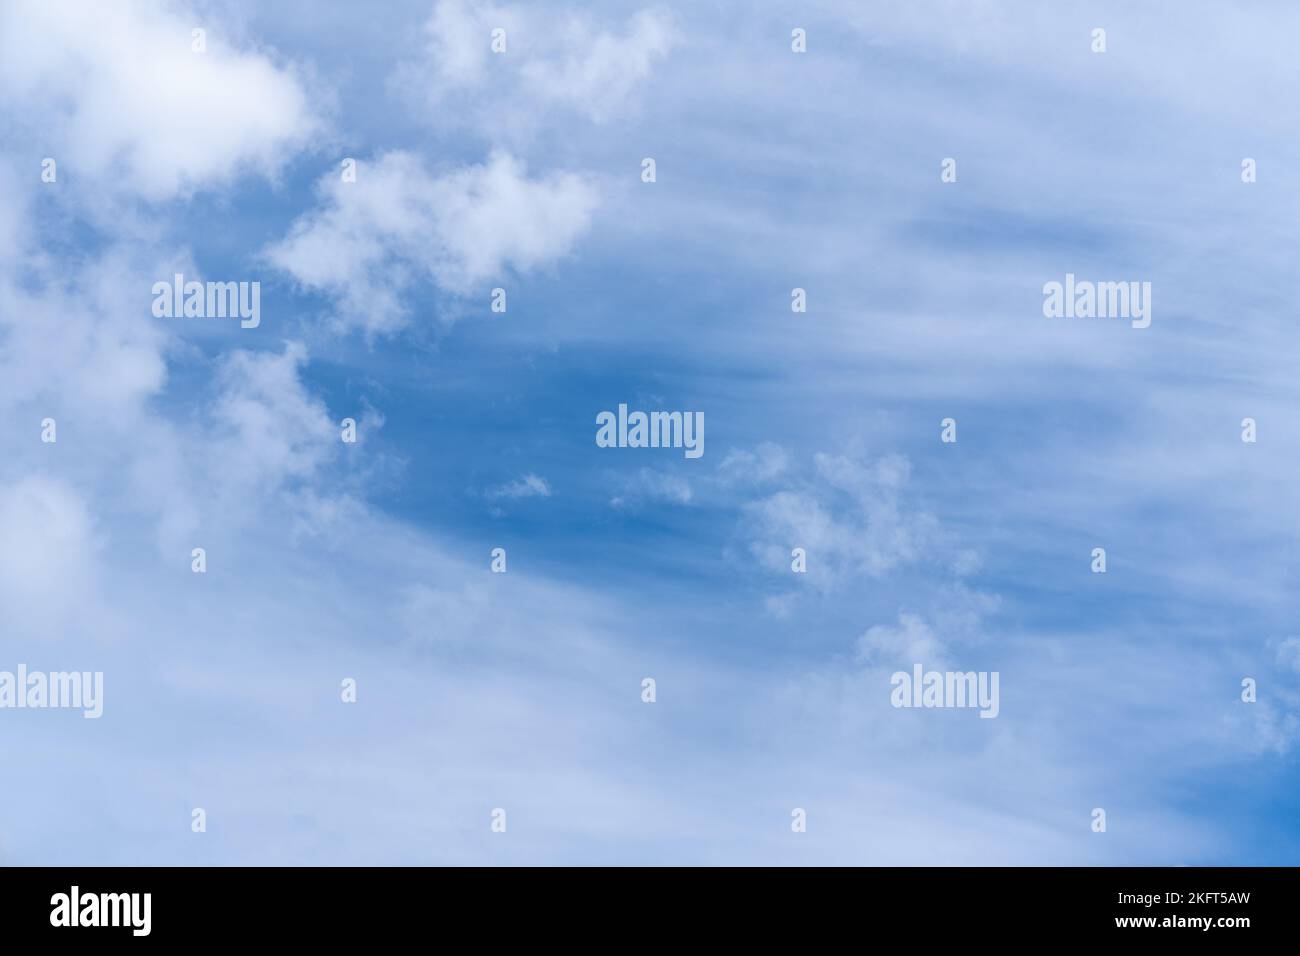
point(122, 99)
point(399, 224)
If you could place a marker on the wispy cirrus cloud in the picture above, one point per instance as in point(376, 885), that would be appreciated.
point(517, 63)
point(529, 486)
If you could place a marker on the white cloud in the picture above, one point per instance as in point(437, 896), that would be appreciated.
point(954, 622)
point(648, 485)
point(556, 59)
point(269, 429)
point(399, 223)
point(1271, 723)
point(601, 70)
point(81, 343)
point(547, 737)
point(848, 515)
point(529, 486)
point(764, 463)
point(1288, 654)
point(116, 95)
point(912, 641)
point(48, 553)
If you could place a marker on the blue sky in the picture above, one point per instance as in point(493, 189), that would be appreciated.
point(522, 691)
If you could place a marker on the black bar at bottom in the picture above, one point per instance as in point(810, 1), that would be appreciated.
point(175, 905)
